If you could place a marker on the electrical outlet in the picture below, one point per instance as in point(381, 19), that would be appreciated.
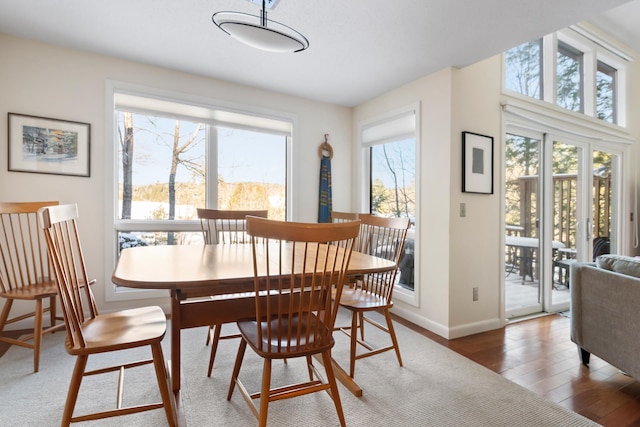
point(463, 210)
point(475, 293)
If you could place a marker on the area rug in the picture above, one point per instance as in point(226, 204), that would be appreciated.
point(436, 387)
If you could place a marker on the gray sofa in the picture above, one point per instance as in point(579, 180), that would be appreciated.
point(605, 311)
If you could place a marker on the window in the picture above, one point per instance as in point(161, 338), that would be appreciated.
point(390, 148)
point(171, 156)
point(163, 173)
point(606, 77)
point(570, 87)
point(523, 69)
point(581, 72)
point(393, 179)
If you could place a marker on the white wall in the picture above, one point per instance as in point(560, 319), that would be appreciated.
point(44, 80)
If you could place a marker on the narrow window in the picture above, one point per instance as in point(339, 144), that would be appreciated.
point(523, 69)
point(570, 88)
point(606, 87)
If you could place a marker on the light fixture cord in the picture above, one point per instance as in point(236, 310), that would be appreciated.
point(263, 14)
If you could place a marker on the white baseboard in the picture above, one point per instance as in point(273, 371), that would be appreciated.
point(447, 332)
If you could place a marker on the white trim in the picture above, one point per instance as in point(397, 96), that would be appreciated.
point(542, 116)
point(591, 33)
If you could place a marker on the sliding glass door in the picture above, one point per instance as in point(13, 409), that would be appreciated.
point(561, 207)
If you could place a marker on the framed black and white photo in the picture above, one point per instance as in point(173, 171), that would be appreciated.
point(477, 163)
point(52, 146)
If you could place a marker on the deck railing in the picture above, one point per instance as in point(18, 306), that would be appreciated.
point(565, 204)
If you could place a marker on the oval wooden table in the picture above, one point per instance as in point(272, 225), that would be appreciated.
point(193, 273)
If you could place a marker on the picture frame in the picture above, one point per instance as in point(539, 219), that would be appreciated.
point(477, 163)
point(48, 146)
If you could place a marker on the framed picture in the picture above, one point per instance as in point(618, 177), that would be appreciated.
point(477, 163)
point(53, 146)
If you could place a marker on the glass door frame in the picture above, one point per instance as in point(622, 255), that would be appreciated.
point(536, 307)
point(584, 213)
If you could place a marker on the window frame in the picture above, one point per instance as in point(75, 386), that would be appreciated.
point(114, 225)
point(390, 134)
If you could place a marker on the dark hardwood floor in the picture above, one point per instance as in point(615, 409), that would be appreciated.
point(538, 355)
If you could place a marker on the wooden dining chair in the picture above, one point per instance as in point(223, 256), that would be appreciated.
point(295, 269)
point(385, 238)
point(89, 332)
point(25, 274)
point(224, 227)
point(339, 216)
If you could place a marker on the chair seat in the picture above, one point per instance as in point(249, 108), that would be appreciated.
point(123, 329)
point(303, 345)
point(34, 292)
point(360, 299)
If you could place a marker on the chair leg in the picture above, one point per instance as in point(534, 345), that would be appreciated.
point(74, 388)
point(310, 367)
point(37, 335)
point(335, 396)
point(354, 343)
point(168, 399)
point(236, 367)
point(392, 333)
point(52, 311)
point(214, 346)
point(264, 393)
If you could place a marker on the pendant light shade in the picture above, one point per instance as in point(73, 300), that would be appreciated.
point(260, 32)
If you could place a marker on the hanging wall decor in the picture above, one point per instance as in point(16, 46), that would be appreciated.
point(51, 146)
point(477, 163)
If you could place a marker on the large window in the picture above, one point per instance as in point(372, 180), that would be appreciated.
point(163, 173)
point(579, 74)
point(172, 156)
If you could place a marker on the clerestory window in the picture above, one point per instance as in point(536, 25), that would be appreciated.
point(572, 72)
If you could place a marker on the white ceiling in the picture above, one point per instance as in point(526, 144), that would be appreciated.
point(358, 48)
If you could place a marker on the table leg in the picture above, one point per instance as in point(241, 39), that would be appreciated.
point(175, 340)
point(343, 377)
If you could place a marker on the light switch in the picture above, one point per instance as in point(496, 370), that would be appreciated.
point(463, 210)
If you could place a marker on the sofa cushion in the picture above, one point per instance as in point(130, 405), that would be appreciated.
point(620, 264)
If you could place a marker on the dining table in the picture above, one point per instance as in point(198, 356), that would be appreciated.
point(193, 274)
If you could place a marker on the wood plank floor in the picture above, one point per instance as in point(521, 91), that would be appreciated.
point(538, 355)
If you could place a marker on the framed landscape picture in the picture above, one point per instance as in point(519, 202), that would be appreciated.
point(477, 163)
point(52, 146)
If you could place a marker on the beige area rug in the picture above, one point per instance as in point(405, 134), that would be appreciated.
point(436, 387)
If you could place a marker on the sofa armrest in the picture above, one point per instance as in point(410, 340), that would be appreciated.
point(605, 315)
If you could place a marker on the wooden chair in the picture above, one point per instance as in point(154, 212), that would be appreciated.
point(294, 309)
point(25, 274)
point(337, 216)
point(382, 237)
point(89, 332)
point(224, 227)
